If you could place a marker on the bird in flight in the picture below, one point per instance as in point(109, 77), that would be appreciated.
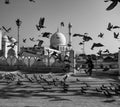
point(62, 24)
point(87, 38)
point(81, 43)
point(101, 35)
point(116, 35)
point(46, 34)
point(96, 45)
point(6, 30)
point(40, 42)
point(115, 27)
point(32, 1)
point(106, 51)
point(99, 52)
point(7, 2)
point(32, 39)
point(112, 5)
point(24, 40)
point(10, 38)
point(41, 24)
point(12, 45)
point(110, 26)
point(79, 35)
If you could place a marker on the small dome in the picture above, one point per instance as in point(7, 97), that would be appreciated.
point(5, 38)
point(57, 39)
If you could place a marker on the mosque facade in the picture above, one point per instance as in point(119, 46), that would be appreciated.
point(40, 58)
point(5, 46)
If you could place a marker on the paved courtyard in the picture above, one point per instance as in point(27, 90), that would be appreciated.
point(35, 94)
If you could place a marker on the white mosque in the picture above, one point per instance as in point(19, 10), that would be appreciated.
point(58, 44)
point(5, 49)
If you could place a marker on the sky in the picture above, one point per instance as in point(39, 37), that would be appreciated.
point(86, 16)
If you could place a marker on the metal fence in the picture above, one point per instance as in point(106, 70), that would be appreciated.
point(31, 64)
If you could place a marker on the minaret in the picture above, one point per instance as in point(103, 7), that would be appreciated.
point(70, 38)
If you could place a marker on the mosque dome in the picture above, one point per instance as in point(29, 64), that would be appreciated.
point(57, 39)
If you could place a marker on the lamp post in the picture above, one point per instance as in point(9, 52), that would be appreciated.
point(18, 23)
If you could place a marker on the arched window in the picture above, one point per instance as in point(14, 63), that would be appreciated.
point(11, 52)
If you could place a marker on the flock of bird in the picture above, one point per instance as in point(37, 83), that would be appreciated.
point(86, 38)
point(48, 82)
point(110, 7)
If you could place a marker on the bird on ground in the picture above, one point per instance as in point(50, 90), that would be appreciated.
point(41, 24)
point(19, 75)
point(77, 79)
point(6, 30)
point(101, 35)
point(62, 24)
point(32, 39)
point(112, 5)
point(64, 78)
point(46, 34)
point(110, 26)
point(77, 35)
point(116, 35)
point(32, 1)
point(107, 93)
point(24, 40)
point(96, 45)
point(45, 88)
point(7, 2)
point(19, 82)
point(98, 90)
point(106, 68)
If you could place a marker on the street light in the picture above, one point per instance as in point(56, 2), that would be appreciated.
point(18, 23)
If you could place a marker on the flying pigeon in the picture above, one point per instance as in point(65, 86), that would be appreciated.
point(79, 35)
point(96, 45)
point(101, 35)
point(110, 26)
point(46, 34)
point(87, 38)
point(6, 30)
point(62, 24)
point(112, 5)
point(7, 2)
point(40, 42)
point(116, 35)
point(106, 51)
point(81, 43)
point(99, 52)
point(24, 40)
point(115, 27)
point(32, 1)
point(41, 24)
point(32, 39)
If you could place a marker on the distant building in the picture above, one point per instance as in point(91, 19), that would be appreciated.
point(5, 49)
